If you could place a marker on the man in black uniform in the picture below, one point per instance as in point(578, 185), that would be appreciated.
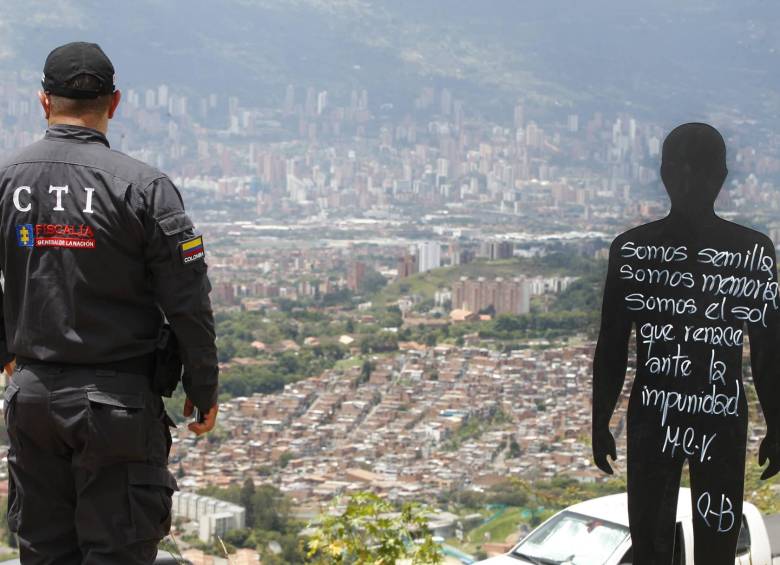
point(693, 285)
point(96, 250)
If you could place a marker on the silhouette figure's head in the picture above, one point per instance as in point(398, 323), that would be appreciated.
point(693, 166)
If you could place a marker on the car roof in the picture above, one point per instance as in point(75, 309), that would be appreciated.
point(614, 507)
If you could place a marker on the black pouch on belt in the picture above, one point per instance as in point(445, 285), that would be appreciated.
point(168, 365)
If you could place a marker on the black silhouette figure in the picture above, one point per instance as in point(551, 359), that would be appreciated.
point(692, 285)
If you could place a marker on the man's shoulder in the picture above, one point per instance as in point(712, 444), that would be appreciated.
point(110, 161)
point(25, 154)
point(130, 168)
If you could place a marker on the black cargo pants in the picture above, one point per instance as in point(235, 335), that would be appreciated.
point(88, 476)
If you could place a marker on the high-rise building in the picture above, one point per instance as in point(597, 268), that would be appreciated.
point(453, 252)
point(534, 136)
point(322, 102)
point(233, 105)
point(407, 265)
point(133, 98)
point(504, 296)
point(496, 250)
point(429, 255)
point(466, 256)
point(289, 99)
point(357, 272)
point(574, 123)
point(162, 96)
point(519, 116)
point(442, 168)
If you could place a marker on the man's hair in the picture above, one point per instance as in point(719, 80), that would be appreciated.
point(62, 106)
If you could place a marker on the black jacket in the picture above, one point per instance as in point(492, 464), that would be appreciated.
point(94, 247)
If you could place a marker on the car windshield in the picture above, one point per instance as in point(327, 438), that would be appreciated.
point(573, 539)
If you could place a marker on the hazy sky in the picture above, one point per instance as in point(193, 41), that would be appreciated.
point(654, 56)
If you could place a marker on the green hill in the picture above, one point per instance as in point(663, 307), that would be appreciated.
point(426, 284)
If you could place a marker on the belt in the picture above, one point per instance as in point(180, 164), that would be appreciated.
point(143, 364)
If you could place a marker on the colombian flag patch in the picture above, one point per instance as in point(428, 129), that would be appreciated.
point(192, 250)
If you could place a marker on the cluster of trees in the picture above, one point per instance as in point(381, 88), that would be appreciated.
point(565, 262)
point(583, 295)
point(372, 530)
point(542, 498)
point(474, 427)
point(270, 527)
point(280, 369)
point(381, 342)
point(546, 324)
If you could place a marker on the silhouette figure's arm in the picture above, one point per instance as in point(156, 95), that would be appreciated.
point(609, 364)
point(765, 364)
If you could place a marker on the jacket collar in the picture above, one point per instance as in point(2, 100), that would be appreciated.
point(65, 132)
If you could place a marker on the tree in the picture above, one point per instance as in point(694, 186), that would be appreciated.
point(371, 531)
point(375, 343)
point(372, 281)
point(247, 501)
point(272, 509)
point(514, 449)
point(365, 371)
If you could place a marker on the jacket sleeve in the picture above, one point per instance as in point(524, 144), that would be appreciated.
point(175, 258)
point(5, 356)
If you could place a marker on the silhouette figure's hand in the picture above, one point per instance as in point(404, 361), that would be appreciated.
point(769, 451)
point(603, 445)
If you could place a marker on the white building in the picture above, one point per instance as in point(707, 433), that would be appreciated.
point(429, 256)
point(214, 517)
point(322, 102)
point(162, 96)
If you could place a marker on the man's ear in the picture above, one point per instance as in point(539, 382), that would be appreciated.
point(115, 98)
point(45, 103)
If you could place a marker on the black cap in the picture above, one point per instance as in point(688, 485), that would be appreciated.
point(73, 59)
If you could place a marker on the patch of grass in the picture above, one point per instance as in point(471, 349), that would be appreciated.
point(499, 528)
point(426, 284)
point(349, 363)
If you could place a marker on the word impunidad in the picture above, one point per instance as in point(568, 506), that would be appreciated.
point(710, 402)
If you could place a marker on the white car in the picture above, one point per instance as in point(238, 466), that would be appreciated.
point(595, 532)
